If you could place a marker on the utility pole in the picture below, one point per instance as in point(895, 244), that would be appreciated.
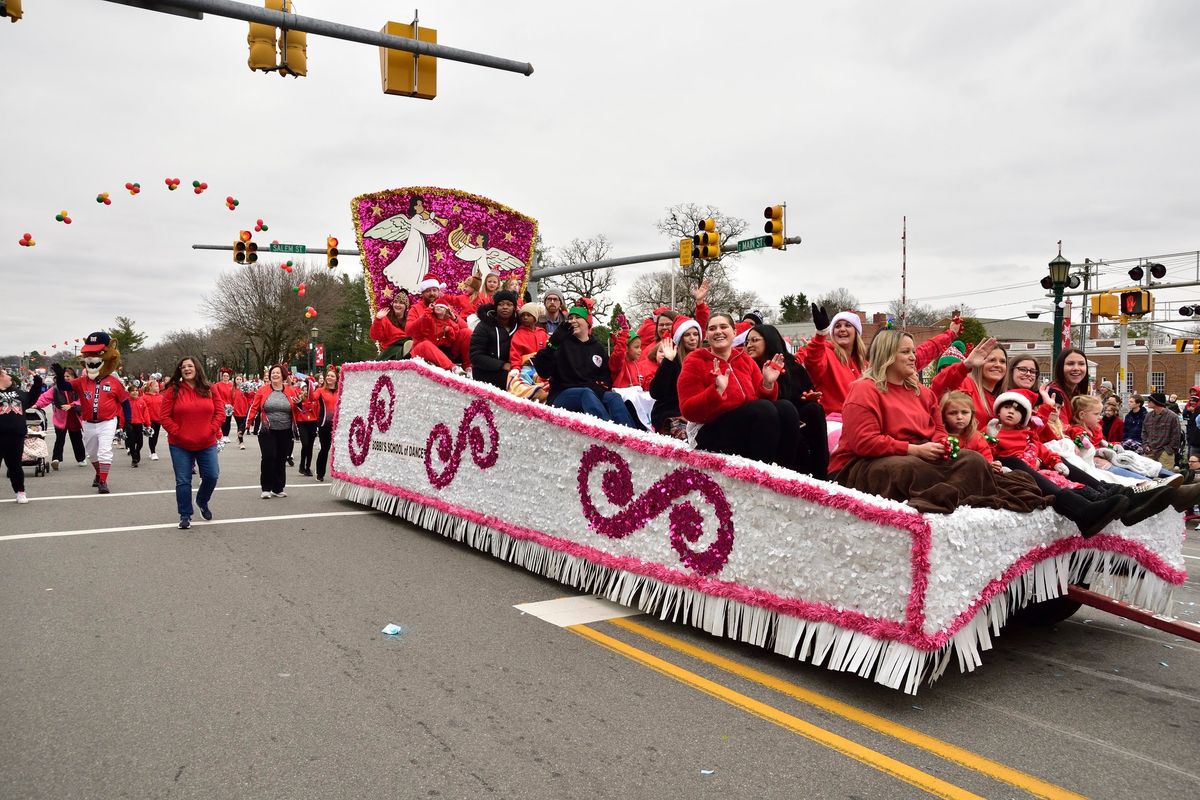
point(904, 273)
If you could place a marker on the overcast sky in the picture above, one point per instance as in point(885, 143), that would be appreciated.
point(998, 128)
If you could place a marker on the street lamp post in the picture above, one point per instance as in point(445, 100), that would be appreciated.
point(312, 348)
point(247, 344)
point(1060, 269)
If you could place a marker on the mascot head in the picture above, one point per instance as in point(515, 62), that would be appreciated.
point(99, 355)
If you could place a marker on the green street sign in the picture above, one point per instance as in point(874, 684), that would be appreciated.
point(287, 248)
point(754, 244)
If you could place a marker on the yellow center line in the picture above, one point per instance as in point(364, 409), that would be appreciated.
point(865, 755)
point(1035, 786)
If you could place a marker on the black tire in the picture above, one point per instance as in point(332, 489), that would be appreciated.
point(1047, 612)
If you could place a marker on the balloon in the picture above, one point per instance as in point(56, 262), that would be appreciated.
point(196, 184)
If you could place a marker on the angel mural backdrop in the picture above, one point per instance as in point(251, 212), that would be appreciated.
point(406, 234)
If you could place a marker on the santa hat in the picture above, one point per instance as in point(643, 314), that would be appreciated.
point(1022, 397)
point(682, 325)
point(430, 282)
point(847, 316)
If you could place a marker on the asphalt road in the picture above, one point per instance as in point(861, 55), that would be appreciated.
point(244, 658)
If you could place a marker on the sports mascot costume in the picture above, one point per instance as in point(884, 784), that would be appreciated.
point(102, 397)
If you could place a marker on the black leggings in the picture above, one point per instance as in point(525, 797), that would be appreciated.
point(241, 423)
point(225, 426)
point(155, 427)
point(275, 444)
point(325, 435)
point(812, 448)
point(133, 441)
point(11, 445)
point(761, 430)
point(308, 434)
point(60, 440)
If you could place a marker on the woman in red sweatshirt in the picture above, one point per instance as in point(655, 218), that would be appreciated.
point(327, 396)
point(308, 418)
point(192, 415)
point(894, 445)
point(241, 406)
point(732, 406)
point(153, 397)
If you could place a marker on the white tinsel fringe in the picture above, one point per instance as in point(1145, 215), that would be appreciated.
point(893, 664)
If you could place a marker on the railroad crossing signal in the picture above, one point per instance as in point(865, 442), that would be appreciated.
point(775, 227)
point(708, 241)
point(331, 253)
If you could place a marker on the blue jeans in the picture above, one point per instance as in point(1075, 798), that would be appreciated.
point(206, 464)
point(581, 398)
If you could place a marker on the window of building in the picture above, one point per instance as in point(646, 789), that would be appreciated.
point(1158, 380)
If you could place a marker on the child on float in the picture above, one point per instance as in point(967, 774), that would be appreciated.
point(528, 338)
point(629, 369)
point(732, 406)
point(962, 429)
point(1019, 447)
point(683, 339)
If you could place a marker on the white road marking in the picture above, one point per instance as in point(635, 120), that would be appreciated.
point(1193, 558)
point(576, 610)
point(196, 525)
point(255, 487)
point(1109, 676)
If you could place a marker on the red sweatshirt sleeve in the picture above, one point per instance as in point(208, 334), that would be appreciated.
point(703, 313)
point(949, 379)
point(218, 415)
point(385, 332)
point(930, 350)
point(616, 361)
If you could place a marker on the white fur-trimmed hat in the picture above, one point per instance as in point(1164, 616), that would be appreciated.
point(430, 282)
point(848, 316)
point(682, 326)
point(1018, 396)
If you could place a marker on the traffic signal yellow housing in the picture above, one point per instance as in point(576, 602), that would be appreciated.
point(775, 225)
point(12, 8)
point(403, 74)
point(1105, 305)
point(331, 253)
point(262, 41)
point(708, 241)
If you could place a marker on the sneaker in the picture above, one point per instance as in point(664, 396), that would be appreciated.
point(206, 513)
point(21, 498)
point(54, 465)
point(241, 446)
point(154, 456)
point(96, 482)
point(185, 523)
point(1170, 480)
point(320, 478)
point(265, 495)
point(278, 494)
point(459, 371)
point(291, 463)
point(81, 463)
point(104, 488)
point(134, 465)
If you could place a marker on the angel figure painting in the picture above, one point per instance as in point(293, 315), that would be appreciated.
point(406, 236)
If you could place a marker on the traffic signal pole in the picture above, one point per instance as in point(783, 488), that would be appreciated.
point(669, 255)
point(196, 9)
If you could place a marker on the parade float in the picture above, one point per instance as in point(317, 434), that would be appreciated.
point(743, 550)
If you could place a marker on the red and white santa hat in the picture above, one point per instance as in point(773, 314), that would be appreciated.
point(1022, 397)
point(682, 325)
point(430, 282)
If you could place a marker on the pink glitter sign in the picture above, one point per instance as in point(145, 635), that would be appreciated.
point(405, 234)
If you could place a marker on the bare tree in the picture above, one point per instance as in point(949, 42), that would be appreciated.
point(835, 300)
point(683, 221)
point(260, 303)
point(653, 289)
point(922, 315)
point(593, 283)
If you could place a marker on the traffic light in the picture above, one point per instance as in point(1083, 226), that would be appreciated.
point(251, 252)
point(775, 224)
point(262, 41)
point(402, 72)
point(241, 248)
point(331, 254)
point(1136, 303)
point(294, 47)
point(708, 241)
point(13, 9)
point(1105, 305)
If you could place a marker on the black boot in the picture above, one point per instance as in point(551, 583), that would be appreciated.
point(1089, 517)
point(1145, 503)
point(1183, 498)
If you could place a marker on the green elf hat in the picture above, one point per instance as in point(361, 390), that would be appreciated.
point(953, 354)
point(578, 311)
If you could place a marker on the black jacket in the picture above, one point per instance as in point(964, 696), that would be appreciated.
point(14, 401)
point(663, 390)
point(489, 347)
point(569, 363)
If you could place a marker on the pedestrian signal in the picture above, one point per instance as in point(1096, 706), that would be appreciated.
point(1136, 303)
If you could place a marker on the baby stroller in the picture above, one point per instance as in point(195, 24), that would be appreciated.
point(35, 453)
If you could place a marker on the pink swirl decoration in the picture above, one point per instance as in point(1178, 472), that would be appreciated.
point(686, 523)
point(450, 448)
point(379, 414)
